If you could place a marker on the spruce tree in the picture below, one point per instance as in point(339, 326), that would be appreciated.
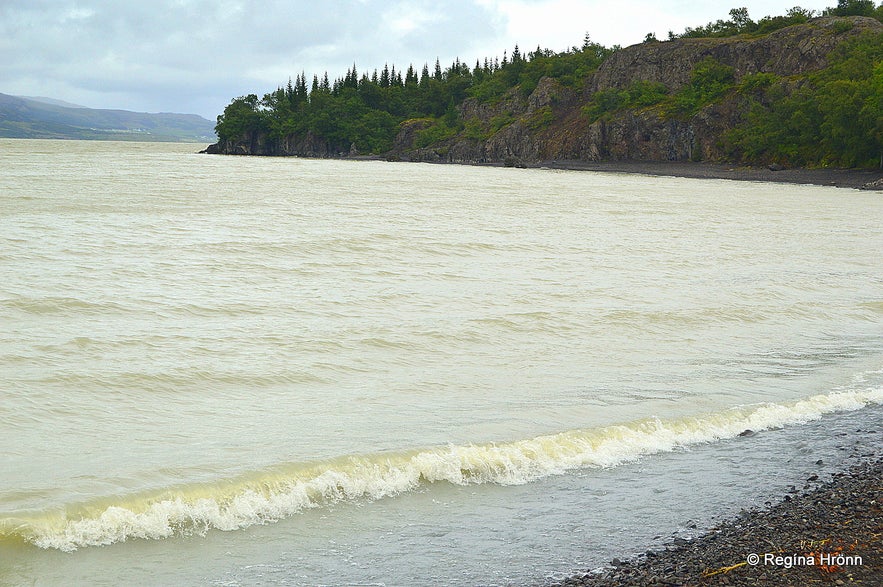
point(410, 76)
point(300, 87)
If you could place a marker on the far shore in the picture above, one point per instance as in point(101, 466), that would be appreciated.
point(843, 178)
point(867, 179)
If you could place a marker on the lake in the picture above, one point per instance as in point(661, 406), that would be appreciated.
point(265, 371)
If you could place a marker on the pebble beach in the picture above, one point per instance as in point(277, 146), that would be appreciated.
point(870, 179)
point(826, 533)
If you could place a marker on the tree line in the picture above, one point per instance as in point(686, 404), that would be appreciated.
point(833, 117)
point(364, 110)
point(740, 23)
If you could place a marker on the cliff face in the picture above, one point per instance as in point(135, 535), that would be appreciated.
point(536, 123)
point(550, 123)
point(790, 51)
point(252, 143)
point(638, 134)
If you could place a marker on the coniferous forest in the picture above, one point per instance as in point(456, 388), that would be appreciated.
point(832, 116)
point(365, 110)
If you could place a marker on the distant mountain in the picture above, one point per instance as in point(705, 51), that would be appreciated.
point(44, 118)
point(52, 101)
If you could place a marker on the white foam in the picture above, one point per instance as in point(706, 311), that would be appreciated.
point(267, 497)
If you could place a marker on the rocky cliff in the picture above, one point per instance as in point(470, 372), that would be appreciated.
point(642, 134)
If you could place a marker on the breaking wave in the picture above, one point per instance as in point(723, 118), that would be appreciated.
point(270, 495)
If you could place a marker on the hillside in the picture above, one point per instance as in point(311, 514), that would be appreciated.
point(808, 94)
point(39, 119)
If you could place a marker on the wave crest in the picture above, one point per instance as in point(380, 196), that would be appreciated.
point(284, 491)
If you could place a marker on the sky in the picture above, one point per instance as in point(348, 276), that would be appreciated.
point(195, 56)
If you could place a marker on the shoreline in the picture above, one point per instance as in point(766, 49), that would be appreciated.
point(860, 179)
point(828, 534)
point(842, 178)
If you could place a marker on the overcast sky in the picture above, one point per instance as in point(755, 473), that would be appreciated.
point(194, 56)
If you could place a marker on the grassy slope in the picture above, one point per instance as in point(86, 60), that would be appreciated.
point(23, 118)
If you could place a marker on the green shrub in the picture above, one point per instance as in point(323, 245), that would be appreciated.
point(501, 121)
point(541, 118)
point(709, 81)
point(640, 94)
point(842, 26)
point(475, 130)
point(433, 134)
point(755, 82)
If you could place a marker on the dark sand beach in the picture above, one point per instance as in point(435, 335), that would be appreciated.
point(844, 178)
point(828, 533)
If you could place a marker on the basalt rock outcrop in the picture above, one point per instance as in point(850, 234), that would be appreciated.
point(638, 134)
point(790, 51)
point(256, 143)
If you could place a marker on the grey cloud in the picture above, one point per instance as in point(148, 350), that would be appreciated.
point(196, 55)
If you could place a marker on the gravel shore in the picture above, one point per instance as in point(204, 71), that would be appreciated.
point(826, 534)
point(845, 178)
point(861, 179)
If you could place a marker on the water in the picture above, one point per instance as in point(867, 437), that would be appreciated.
point(250, 371)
